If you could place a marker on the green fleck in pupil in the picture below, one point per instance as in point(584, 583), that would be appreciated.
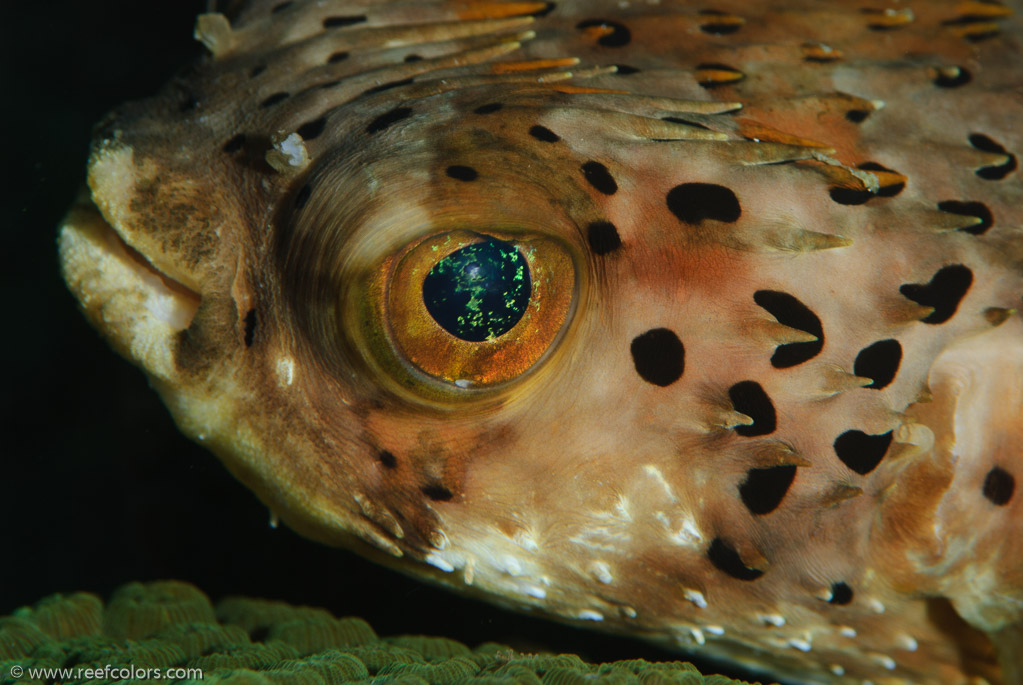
point(479, 292)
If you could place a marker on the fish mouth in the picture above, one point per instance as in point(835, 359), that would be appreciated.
point(140, 309)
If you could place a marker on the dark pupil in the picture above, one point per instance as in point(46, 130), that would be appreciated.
point(479, 292)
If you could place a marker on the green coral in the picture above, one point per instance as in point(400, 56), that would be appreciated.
point(260, 642)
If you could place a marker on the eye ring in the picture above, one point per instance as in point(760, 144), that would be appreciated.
point(510, 348)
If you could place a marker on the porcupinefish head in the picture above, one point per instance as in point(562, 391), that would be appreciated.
point(694, 322)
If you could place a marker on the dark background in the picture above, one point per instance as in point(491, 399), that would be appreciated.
point(97, 487)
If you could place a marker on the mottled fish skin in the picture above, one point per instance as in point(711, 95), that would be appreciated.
point(765, 401)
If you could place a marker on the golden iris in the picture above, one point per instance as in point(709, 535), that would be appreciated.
point(477, 309)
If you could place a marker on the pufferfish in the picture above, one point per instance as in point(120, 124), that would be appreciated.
point(697, 321)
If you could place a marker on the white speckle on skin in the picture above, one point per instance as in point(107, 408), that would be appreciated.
point(884, 660)
point(534, 591)
point(285, 371)
point(275, 520)
point(526, 541)
point(696, 597)
point(698, 637)
point(876, 606)
point(511, 565)
point(771, 619)
point(293, 148)
point(688, 534)
point(463, 383)
point(800, 644)
point(907, 642)
point(847, 631)
point(656, 474)
point(629, 612)
point(622, 508)
point(837, 669)
point(469, 571)
point(436, 561)
point(602, 572)
point(715, 630)
point(590, 615)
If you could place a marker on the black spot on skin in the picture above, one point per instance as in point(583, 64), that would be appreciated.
point(992, 173)
point(462, 173)
point(659, 356)
point(550, 7)
point(981, 142)
point(960, 79)
point(880, 362)
point(857, 116)
point(764, 489)
point(338, 22)
point(387, 119)
point(274, 99)
point(717, 28)
point(339, 56)
point(388, 86)
point(437, 492)
point(603, 237)
point(821, 59)
point(626, 70)
point(312, 129)
point(412, 58)
point(694, 202)
point(794, 314)
point(860, 451)
point(726, 559)
point(999, 486)
point(750, 399)
point(302, 196)
point(945, 291)
point(250, 327)
point(841, 594)
point(281, 6)
point(880, 26)
point(849, 196)
point(388, 460)
point(489, 108)
point(235, 144)
point(966, 208)
point(619, 36)
point(677, 120)
point(969, 19)
point(966, 19)
point(979, 37)
point(600, 178)
point(545, 134)
point(257, 70)
point(884, 191)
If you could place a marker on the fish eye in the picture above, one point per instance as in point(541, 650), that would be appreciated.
point(475, 309)
point(480, 291)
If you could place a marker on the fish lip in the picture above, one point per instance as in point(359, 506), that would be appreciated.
point(138, 308)
point(141, 261)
